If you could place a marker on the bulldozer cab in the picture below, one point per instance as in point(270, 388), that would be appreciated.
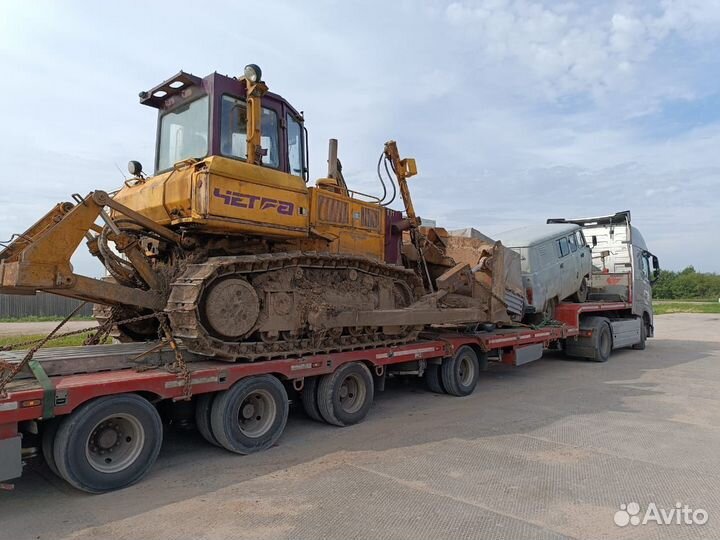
point(203, 117)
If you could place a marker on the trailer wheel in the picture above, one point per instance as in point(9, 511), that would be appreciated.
point(309, 399)
point(108, 443)
point(50, 428)
point(251, 415)
point(433, 380)
point(460, 372)
point(344, 397)
point(203, 411)
point(603, 345)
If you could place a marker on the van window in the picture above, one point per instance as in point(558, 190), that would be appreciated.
point(563, 246)
point(573, 243)
point(581, 239)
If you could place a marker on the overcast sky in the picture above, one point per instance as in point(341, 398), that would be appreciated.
point(515, 110)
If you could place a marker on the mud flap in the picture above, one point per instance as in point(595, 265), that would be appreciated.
point(10, 458)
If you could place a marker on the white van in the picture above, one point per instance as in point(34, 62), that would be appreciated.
point(556, 264)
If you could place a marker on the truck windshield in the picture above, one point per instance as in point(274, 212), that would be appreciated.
point(183, 134)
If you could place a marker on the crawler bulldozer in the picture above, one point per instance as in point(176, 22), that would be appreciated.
point(229, 245)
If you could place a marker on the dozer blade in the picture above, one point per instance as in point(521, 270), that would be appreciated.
point(39, 259)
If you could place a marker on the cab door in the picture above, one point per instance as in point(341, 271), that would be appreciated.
point(642, 286)
point(585, 261)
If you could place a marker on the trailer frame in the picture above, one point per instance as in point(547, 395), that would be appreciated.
point(24, 409)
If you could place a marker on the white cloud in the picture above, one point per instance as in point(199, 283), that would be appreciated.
point(516, 110)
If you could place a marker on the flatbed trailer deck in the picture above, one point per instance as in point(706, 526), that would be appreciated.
point(98, 401)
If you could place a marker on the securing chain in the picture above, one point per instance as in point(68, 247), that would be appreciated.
point(16, 368)
point(179, 365)
point(8, 371)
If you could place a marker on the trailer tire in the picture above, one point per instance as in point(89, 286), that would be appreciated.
point(125, 423)
point(603, 346)
point(203, 412)
point(344, 397)
point(640, 346)
point(49, 433)
point(309, 399)
point(433, 379)
point(250, 416)
point(460, 372)
point(581, 295)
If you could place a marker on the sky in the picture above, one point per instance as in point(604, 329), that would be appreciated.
point(515, 111)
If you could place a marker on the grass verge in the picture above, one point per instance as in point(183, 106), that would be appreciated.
point(67, 341)
point(41, 318)
point(668, 306)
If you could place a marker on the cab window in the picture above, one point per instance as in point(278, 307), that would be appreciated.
point(233, 132)
point(183, 134)
point(563, 246)
point(295, 146)
point(573, 243)
point(645, 267)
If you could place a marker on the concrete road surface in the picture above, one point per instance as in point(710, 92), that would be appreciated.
point(548, 450)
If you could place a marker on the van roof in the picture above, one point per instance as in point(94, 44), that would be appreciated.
point(535, 234)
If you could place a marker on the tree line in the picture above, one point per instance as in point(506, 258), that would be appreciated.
point(687, 284)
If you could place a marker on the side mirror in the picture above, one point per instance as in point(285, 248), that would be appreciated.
point(594, 240)
point(656, 269)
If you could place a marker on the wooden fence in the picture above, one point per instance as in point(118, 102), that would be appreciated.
point(39, 305)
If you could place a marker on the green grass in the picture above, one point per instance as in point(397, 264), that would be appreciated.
point(42, 318)
point(68, 341)
point(662, 307)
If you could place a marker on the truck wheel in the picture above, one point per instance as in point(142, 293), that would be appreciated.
point(603, 345)
point(640, 346)
point(344, 397)
point(309, 399)
point(251, 415)
point(108, 443)
point(460, 372)
point(203, 411)
point(50, 428)
point(582, 293)
point(433, 380)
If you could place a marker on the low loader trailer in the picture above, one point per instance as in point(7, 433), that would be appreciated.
point(95, 413)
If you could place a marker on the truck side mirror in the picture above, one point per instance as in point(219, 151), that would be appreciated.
point(594, 240)
point(656, 268)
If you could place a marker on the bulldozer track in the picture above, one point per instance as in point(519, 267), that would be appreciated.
point(184, 305)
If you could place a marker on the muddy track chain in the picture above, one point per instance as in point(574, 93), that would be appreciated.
point(187, 291)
